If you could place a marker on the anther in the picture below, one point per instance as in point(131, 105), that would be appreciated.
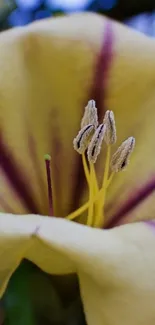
point(120, 159)
point(81, 142)
point(110, 134)
point(94, 147)
point(90, 115)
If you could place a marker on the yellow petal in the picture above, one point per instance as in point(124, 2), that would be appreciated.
point(44, 86)
point(115, 267)
point(18, 238)
point(55, 66)
point(131, 96)
point(121, 288)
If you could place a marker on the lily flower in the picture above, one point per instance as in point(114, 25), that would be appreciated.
point(79, 212)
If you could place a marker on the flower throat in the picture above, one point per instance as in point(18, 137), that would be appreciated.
point(88, 143)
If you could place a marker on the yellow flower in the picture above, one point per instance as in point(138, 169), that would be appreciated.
point(49, 71)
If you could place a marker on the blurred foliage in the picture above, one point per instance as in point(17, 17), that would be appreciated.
point(6, 7)
point(17, 300)
point(33, 297)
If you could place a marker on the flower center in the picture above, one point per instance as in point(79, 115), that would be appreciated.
point(96, 203)
point(89, 139)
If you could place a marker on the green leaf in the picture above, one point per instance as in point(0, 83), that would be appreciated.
point(46, 299)
point(75, 314)
point(17, 299)
point(32, 298)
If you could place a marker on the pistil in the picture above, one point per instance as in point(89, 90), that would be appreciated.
point(49, 183)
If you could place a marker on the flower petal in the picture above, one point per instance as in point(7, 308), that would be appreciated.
point(131, 97)
point(115, 267)
point(140, 201)
point(52, 73)
point(55, 67)
point(125, 288)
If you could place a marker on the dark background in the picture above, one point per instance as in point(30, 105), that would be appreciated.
point(21, 12)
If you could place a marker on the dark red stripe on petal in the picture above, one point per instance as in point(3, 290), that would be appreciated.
point(56, 154)
point(100, 84)
point(98, 92)
point(16, 179)
point(37, 168)
point(131, 204)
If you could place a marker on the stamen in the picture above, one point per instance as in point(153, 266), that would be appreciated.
point(82, 140)
point(110, 134)
point(94, 147)
point(120, 159)
point(100, 215)
point(90, 115)
point(110, 179)
point(94, 180)
point(90, 137)
point(91, 195)
point(73, 215)
point(49, 183)
point(83, 208)
point(85, 167)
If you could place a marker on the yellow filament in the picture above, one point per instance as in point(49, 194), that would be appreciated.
point(107, 165)
point(86, 169)
point(96, 190)
point(94, 180)
point(91, 195)
point(100, 215)
point(79, 211)
point(97, 196)
point(110, 179)
point(85, 206)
